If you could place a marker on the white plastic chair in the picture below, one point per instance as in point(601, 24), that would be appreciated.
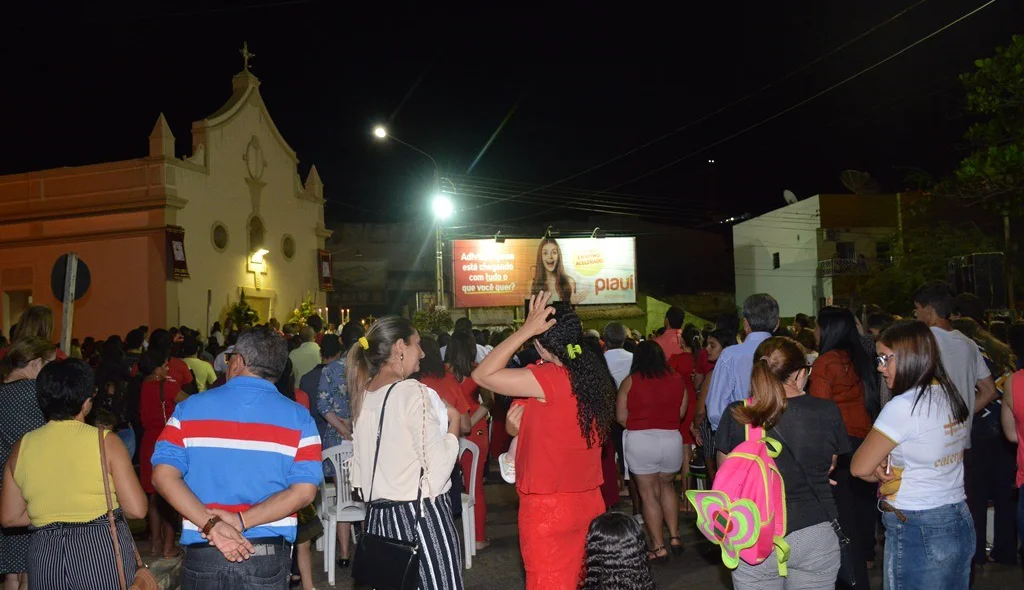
point(342, 507)
point(469, 501)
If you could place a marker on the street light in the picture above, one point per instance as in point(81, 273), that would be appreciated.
point(442, 206)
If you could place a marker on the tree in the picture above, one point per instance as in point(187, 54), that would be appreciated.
point(432, 321)
point(242, 315)
point(926, 249)
point(992, 175)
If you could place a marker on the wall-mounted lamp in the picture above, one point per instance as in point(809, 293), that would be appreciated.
point(551, 232)
point(499, 238)
point(257, 256)
point(598, 233)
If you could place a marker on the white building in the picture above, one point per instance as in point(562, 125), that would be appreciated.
point(814, 252)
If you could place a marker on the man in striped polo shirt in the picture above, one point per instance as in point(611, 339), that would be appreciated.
point(238, 462)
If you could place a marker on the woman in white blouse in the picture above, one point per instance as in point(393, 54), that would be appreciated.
point(417, 437)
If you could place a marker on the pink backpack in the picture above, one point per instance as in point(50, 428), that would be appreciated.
point(745, 513)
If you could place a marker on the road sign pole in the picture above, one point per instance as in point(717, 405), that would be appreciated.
point(68, 315)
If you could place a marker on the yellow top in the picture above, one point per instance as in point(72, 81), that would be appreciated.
point(59, 474)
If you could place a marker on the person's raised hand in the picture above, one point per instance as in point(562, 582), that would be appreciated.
point(537, 321)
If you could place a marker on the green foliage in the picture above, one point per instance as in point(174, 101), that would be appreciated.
point(926, 250)
point(242, 315)
point(993, 173)
point(301, 314)
point(432, 321)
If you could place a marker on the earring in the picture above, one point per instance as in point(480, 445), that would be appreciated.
point(401, 358)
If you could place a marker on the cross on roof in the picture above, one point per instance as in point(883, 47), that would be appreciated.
point(246, 54)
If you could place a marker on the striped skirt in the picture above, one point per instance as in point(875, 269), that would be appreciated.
point(440, 557)
point(80, 556)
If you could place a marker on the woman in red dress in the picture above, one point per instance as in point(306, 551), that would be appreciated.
point(459, 356)
point(156, 397)
point(561, 429)
point(436, 376)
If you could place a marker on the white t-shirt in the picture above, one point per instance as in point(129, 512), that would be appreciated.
point(619, 362)
point(928, 460)
point(963, 363)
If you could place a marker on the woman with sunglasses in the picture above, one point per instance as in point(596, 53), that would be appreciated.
point(916, 450)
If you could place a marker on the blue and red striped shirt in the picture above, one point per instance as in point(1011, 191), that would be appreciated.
point(237, 445)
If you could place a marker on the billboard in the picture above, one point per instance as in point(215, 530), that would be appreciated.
point(585, 271)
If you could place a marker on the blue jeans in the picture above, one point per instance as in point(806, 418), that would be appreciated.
point(269, 569)
point(931, 550)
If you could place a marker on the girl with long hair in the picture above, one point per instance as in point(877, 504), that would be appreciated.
point(461, 356)
point(549, 274)
point(563, 425)
point(812, 435)
point(383, 397)
point(616, 555)
point(845, 373)
point(650, 404)
point(916, 450)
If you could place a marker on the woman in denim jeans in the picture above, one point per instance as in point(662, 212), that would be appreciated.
point(916, 449)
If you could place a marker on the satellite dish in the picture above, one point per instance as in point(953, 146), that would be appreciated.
point(860, 183)
point(789, 196)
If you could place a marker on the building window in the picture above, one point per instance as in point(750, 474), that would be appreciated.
point(775, 261)
point(846, 250)
point(256, 231)
point(288, 247)
point(219, 236)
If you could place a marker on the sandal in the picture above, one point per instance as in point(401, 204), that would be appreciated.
point(654, 557)
point(677, 550)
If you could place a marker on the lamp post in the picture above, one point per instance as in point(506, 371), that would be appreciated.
point(441, 205)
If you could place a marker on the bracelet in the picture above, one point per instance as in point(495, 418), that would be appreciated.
point(241, 520)
point(210, 524)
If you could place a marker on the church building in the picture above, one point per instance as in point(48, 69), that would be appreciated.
point(170, 240)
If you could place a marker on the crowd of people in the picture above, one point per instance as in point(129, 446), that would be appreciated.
point(908, 425)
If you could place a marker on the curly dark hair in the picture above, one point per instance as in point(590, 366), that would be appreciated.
point(591, 382)
point(616, 555)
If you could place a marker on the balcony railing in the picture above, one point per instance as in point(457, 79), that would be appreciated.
point(851, 266)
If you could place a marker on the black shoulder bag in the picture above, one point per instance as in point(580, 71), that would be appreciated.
point(382, 562)
point(846, 573)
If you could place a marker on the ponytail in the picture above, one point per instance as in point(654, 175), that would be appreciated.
point(369, 353)
point(778, 359)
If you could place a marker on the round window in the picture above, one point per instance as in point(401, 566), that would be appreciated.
point(288, 247)
point(219, 236)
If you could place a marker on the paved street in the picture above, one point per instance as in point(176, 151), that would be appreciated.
point(499, 567)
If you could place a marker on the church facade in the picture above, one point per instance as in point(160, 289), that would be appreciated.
point(170, 240)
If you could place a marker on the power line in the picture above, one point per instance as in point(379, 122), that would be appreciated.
point(728, 106)
point(806, 100)
point(546, 199)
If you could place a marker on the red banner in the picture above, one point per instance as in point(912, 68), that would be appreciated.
point(177, 266)
point(325, 270)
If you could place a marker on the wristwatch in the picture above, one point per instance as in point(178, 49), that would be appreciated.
point(210, 524)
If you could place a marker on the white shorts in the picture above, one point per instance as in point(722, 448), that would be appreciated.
point(653, 451)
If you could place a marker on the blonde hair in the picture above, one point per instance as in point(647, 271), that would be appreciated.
point(37, 320)
point(23, 351)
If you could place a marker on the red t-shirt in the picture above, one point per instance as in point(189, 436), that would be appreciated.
point(654, 403)
point(704, 366)
point(302, 397)
point(684, 365)
point(448, 390)
point(177, 371)
point(552, 456)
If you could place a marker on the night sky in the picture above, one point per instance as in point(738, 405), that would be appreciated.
point(578, 86)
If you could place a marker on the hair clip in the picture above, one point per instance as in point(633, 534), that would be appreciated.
point(364, 343)
point(574, 350)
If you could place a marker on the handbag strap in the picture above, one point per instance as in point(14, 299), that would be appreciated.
point(110, 518)
point(376, 455)
point(807, 480)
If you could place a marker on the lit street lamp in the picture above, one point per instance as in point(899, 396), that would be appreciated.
point(441, 205)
